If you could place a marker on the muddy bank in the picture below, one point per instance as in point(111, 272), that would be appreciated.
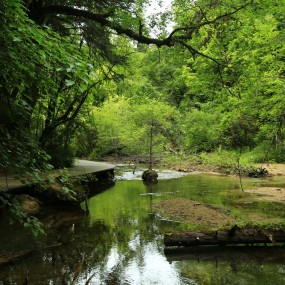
point(272, 194)
point(195, 213)
point(193, 166)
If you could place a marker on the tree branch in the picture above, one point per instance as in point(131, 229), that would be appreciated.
point(102, 19)
point(69, 115)
point(195, 52)
point(207, 22)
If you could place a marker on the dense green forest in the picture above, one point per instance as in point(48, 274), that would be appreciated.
point(98, 78)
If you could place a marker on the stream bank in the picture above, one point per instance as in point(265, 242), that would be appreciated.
point(67, 186)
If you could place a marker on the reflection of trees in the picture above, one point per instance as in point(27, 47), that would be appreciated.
point(91, 250)
point(118, 233)
point(97, 187)
point(87, 254)
point(129, 240)
point(86, 248)
point(150, 192)
point(65, 258)
point(222, 272)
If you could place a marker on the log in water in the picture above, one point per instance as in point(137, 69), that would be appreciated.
point(233, 236)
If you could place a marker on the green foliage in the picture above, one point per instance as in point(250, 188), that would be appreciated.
point(221, 159)
point(155, 119)
point(61, 149)
point(112, 126)
point(229, 98)
point(124, 127)
point(244, 83)
point(239, 130)
point(22, 157)
point(202, 130)
point(46, 79)
point(18, 215)
point(66, 183)
point(28, 221)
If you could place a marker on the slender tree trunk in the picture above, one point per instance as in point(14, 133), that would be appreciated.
point(239, 169)
point(151, 146)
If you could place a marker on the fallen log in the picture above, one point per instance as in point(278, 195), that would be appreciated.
point(234, 236)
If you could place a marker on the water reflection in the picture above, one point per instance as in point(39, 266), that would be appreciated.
point(121, 241)
point(153, 269)
point(147, 266)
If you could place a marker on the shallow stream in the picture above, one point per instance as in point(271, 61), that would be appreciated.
point(121, 240)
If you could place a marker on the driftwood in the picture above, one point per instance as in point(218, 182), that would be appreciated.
point(234, 236)
point(8, 259)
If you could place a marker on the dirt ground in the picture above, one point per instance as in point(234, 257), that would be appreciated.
point(205, 215)
point(275, 169)
point(195, 213)
point(273, 194)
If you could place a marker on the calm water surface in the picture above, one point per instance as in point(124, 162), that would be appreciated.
point(121, 241)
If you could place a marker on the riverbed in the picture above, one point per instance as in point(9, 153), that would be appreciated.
point(121, 240)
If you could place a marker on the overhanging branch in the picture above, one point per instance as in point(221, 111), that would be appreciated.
point(178, 35)
point(103, 20)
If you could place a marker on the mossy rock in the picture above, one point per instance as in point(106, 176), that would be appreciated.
point(28, 204)
point(150, 175)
